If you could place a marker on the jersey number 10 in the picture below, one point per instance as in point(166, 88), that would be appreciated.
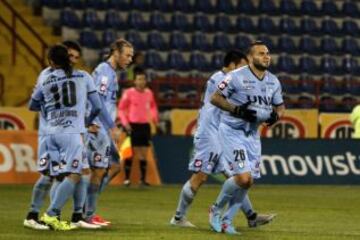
point(68, 92)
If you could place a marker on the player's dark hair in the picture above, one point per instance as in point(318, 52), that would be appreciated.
point(58, 54)
point(253, 44)
point(119, 45)
point(73, 45)
point(234, 56)
point(138, 71)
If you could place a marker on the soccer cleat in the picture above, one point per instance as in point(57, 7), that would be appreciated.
point(56, 224)
point(84, 225)
point(229, 229)
point(261, 219)
point(97, 220)
point(31, 223)
point(214, 219)
point(182, 222)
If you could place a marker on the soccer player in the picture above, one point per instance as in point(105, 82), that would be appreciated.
point(137, 108)
point(105, 77)
point(62, 94)
point(249, 96)
point(206, 159)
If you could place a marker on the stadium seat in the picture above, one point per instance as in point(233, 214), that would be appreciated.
point(223, 24)
point(175, 60)
point(328, 7)
point(158, 22)
point(246, 7)
point(289, 102)
point(328, 65)
point(287, 25)
point(267, 25)
point(114, 20)
point(69, 19)
point(350, 8)
point(153, 60)
point(288, 7)
point(136, 21)
point(328, 45)
point(200, 42)
point(199, 62)
point(308, 26)
point(225, 6)
point(53, 4)
point(155, 40)
point(141, 5)
point(221, 42)
point(108, 37)
point(122, 5)
point(91, 20)
point(350, 46)
point(268, 41)
point(308, 65)
point(184, 6)
point(290, 86)
point(88, 39)
point(204, 6)
point(217, 60)
point(328, 104)
point(178, 41)
point(286, 44)
point(135, 38)
point(329, 85)
point(242, 42)
point(180, 22)
point(350, 27)
point(348, 103)
point(308, 7)
point(75, 4)
point(308, 45)
point(351, 85)
point(307, 84)
point(162, 5)
point(267, 7)
point(245, 24)
point(350, 66)
point(286, 64)
point(99, 5)
point(202, 23)
point(306, 101)
point(329, 26)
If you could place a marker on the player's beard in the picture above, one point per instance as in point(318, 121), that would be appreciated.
point(260, 67)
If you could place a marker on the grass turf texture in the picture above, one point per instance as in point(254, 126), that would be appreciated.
point(304, 212)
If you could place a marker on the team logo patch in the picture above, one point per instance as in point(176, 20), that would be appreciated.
point(97, 157)
point(241, 164)
point(75, 163)
point(224, 83)
point(43, 162)
point(198, 163)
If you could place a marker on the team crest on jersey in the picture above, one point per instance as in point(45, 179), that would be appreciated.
point(224, 83)
point(75, 163)
point(97, 157)
point(198, 163)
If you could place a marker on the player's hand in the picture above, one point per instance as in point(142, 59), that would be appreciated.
point(274, 117)
point(115, 134)
point(243, 112)
point(93, 128)
point(128, 129)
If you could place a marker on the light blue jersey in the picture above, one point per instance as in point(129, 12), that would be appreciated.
point(64, 100)
point(106, 84)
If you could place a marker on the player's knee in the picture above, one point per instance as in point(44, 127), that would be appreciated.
point(86, 171)
point(244, 180)
point(197, 180)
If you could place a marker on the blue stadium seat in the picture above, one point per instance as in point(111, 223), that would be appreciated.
point(329, 26)
point(217, 61)
point(245, 24)
point(114, 20)
point(287, 25)
point(136, 21)
point(242, 42)
point(268, 7)
point(153, 60)
point(69, 18)
point(329, 85)
point(350, 65)
point(350, 8)
point(199, 62)
point(97, 4)
point(268, 41)
point(223, 24)
point(328, 65)
point(286, 44)
point(348, 103)
point(184, 6)
point(307, 84)
point(91, 20)
point(309, 26)
point(122, 5)
point(350, 46)
point(175, 60)
point(267, 25)
point(328, 7)
point(288, 7)
point(202, 23)
point(329, 45)
point(161, 5)
point(75, 4)
point(225, 6)
point(135, 38)
point(306, 101)
point(350, 27)
point(308, 7)
point(290, 86)
point(286, 64)
point(328, 104)
point(89, 39)
point(308, 45)
point(141, 5)
point(200, 42)
point(155, 40)
point(204, 6)
point(53, 4)
point(221, 42)
point(108, 37)
point(158, 22)
point(351, 85)
point(307, 65)
point(246, 6)
point(178, 41)
point(180, 22)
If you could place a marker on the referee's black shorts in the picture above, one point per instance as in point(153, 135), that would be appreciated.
point(140, 134)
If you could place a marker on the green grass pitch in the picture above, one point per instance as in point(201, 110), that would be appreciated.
point(304, 212)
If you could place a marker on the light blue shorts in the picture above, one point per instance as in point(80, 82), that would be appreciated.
point(97, 149)
point(43, 161)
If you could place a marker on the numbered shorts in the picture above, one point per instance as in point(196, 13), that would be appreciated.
point(240, 153)
point(206, 157)
point(97, 149)
point(66, 152)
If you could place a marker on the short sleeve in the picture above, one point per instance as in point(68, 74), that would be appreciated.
point(277, 98)
point(226, 86)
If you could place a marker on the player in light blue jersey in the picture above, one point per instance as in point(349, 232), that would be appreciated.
point(250, 96)
point(106, 82)
point(62, 94)
point(206, 158)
